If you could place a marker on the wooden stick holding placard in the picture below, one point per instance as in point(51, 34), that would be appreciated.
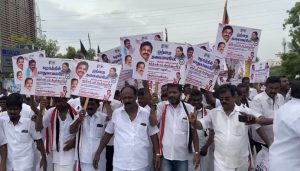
point(86, 103)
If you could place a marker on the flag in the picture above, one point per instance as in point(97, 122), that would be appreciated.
point(98, 51)
point(166, 34)
point(89, 40)
point(82, 50)
point(225, 15)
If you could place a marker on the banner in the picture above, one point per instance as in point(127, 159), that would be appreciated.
point(130, 45)
point(259, 72)
point(29, 71)
point(204, 70)
point(204, 46)
point(54, 77)
point(112, 56)
point(162, 62)
point(237, 42)
point(95, 79)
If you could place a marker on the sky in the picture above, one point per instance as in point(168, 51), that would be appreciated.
point(191, 21)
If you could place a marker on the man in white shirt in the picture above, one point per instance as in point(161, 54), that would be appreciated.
point(3, 148)
point(176, 135)
point(285, 88)
point(252, 91)
point(59, 141)
point(284, 152)
point(89, 126)
point(231, 135)
point(20, 134)
point(131, 127)
point(266, 103)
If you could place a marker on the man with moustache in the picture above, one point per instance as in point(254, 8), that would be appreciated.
point(231, 134)
point(176, 135)
point(131, 128)
point(227, 33)
point(59, 141)
point(146, 50)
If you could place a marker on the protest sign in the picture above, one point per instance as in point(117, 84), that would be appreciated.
point(259, 72)
point(131, 44)
point(162, 62)
point(237, 42)
point(29, 71)
point(54, 77)
point(112, 56)
point(95, 79)
point(204, 46)
point(204, 70)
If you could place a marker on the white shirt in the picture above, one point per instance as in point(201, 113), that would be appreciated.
point(201, 133)
point(93, 128)
point(2, 135)
point(131, 144)
point(265, 105)
point(176, 132)
point(26, 111)
point(231, 136)
point(62, 157)
point(20, 139)
point(252, 93)
point(115, 104)
point(284, 152)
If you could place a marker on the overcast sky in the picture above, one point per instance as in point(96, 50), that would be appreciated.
point(191, 21)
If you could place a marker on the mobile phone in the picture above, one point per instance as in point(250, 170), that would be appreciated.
point(242, 118)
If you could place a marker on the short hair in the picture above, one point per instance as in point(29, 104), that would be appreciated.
point(158, 36)
point(131, 87)
point(139, 63)
point(27, 79)
point(220, 43)
point(19, 72)
point(126, 40)
point(203, 47)
point(74, 79)
point(255, 33)
point(102, 56)
point(31, 62)
point(196, 92)
point(146, 44)
point(141, 92)
point(82, 63)
point(190, 49)
point(14, 100)
point(239, 87)
point(227, 27)
point(127, 56)
point(283, 76)
point(227, 88)
point(178, 86)
point(180, 48)
point(177, 73)
point(113, 68)
point(273, 79)
point(245, 78)
point(295, 88)
point(19, 58)
point(66, 63)
point(218, 60)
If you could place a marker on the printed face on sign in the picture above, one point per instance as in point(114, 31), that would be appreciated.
point(74, 83)
point(81, 68)
point(157, 37)
point(128, 60)
point(19, 75)
point(221, 47)
point(254, 36)
point(28, 84)
point(20, 62)
point(140, 68)
point(146, 50)
point(227, 33)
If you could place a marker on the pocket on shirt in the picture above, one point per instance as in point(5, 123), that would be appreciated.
point(184, 125)
point(237, 130)
point(99, 130)
point(142, 131)
point(24, 137)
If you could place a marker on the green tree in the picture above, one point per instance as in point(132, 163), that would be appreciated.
point(19, 39)
point(71, 53)
point(291, 60)
point(91, 53)
point(49, 45)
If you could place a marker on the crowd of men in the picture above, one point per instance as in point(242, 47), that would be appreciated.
point(183, 129)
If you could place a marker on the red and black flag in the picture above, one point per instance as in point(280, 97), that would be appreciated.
point(225, 15)
point(83, 50)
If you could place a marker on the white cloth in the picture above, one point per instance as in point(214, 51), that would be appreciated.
point(20, 139)
point(61, 157)
point(131, 145)
point(29, 169)
point(90, 167)
point(2, 135)
point(115, 104)
point(231, 136)
point(252, 93)
point(93, 130)
point(75, 103)
point(176, 132)
point(265, 105)
point(64, 168)
point(142, 169)
point(219, 167)
point(284, 152)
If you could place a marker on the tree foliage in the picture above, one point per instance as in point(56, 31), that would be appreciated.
point(49, 45)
